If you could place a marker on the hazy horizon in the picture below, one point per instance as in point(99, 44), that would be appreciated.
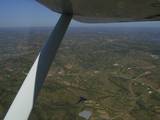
point(29, 13)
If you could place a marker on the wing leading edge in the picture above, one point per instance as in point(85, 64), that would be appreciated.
point(107, 10)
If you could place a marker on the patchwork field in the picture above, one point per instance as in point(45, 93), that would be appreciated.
point(113, 74)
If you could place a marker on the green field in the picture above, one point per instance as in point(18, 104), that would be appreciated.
point(117, 74)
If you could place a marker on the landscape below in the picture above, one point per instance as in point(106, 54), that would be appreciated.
point(107, 73)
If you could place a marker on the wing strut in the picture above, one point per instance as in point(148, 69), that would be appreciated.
point(23, 103)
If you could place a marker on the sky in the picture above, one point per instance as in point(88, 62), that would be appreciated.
point(28, 13)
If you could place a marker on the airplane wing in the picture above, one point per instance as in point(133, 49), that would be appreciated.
point(107, 10)
point(81, 10)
